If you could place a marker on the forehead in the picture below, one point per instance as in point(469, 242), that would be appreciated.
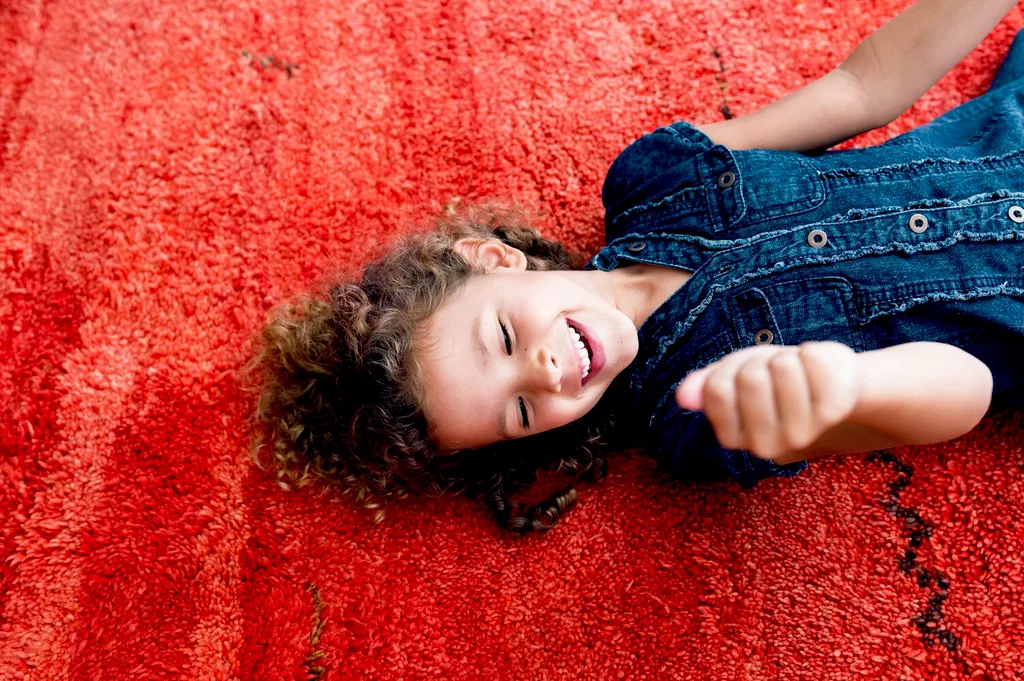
point(457, 398)
point(460, 311)
point(480, 292)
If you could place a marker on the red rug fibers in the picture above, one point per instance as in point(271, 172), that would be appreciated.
point(170, 171)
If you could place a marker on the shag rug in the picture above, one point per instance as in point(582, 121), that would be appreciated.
point(170, 171)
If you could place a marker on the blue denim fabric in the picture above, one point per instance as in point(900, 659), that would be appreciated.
point(921, 238)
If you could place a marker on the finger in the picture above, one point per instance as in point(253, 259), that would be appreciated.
point(755, 400)
point(720, 404)
point(690, 392)
point(830, 384)
point(792, 400)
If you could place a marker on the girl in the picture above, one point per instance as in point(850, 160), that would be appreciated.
point(760, 302)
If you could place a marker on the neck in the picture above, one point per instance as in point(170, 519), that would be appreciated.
point(633, 290)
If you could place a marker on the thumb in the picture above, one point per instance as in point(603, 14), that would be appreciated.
point(690, 392)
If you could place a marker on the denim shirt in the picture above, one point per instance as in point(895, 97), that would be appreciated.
point(919, 238)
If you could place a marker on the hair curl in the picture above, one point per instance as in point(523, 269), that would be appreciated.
point(340, 397)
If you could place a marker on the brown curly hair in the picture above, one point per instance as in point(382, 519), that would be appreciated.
point(340, 399)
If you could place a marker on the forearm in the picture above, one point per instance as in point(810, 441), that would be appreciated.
point(914, 393)
point(899, 62)
point(923, 392)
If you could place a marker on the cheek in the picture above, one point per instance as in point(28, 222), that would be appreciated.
point(561, 412)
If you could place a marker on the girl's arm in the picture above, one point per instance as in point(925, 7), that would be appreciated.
point(887, 72)
point(909, 394)
point(899, 62)
point(788, 403)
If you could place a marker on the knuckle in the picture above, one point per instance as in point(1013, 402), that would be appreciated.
point(714, 402)
point(717, 410)
point(835, 346)
point(717, 389)
point(824, 350)
point(752, 376)
point(808, 350)
point(785, 363)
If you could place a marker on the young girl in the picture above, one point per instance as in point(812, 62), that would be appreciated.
point(760, 302)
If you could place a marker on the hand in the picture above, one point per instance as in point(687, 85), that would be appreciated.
point(774, 399)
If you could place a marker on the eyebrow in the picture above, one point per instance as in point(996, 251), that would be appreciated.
point(485, 358)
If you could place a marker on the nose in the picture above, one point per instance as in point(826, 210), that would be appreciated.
point(545, 370)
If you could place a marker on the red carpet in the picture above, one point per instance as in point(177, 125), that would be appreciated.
point(169, 172)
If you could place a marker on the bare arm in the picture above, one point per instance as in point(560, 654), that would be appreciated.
point(915, 393)
point(789, 403)
point(821, 114)
point(887, 72)
point(899, 62)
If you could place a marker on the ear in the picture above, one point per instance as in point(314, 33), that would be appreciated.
point(490, 254)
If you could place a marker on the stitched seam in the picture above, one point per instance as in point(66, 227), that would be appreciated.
point(898, 292)
point(872, 312)
point(986, 198)
point(767, 213)
point(934, 165)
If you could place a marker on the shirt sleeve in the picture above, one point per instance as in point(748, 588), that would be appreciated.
point(657, 165)
point(685, 445)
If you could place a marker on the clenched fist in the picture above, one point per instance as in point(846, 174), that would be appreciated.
point(774, 399)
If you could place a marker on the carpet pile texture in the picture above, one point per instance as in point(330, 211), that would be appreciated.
point(170, 171)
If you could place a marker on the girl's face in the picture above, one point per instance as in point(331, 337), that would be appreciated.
point(500, 359)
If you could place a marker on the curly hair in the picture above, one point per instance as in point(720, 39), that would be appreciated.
point(341, 398)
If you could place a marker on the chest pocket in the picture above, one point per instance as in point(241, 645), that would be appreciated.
point(795, 311)
point(770, 185)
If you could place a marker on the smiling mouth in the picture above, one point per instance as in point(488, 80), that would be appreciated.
point(586, 357)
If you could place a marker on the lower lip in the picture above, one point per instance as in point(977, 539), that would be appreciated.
point(596, 351)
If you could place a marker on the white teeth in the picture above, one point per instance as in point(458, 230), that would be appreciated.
point(582, 351)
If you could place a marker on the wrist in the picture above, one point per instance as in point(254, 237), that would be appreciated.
point(921, 392)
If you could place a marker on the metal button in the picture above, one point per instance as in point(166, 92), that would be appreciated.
point(918, 223)
point(1016, 214)
point(817, 238)
point(726, 179)
point(764, 337)
point(637, 246)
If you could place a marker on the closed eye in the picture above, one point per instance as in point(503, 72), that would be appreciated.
point(522, 402)
point(522, 410)
point(508, 340)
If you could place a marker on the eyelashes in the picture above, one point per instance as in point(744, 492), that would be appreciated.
point(508, 349)
point(508, 340)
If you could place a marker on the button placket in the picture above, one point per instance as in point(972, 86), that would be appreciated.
point(752, 319)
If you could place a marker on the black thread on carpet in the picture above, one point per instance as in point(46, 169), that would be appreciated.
point(724, 108)
point(928, 623)
point(315, 669)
